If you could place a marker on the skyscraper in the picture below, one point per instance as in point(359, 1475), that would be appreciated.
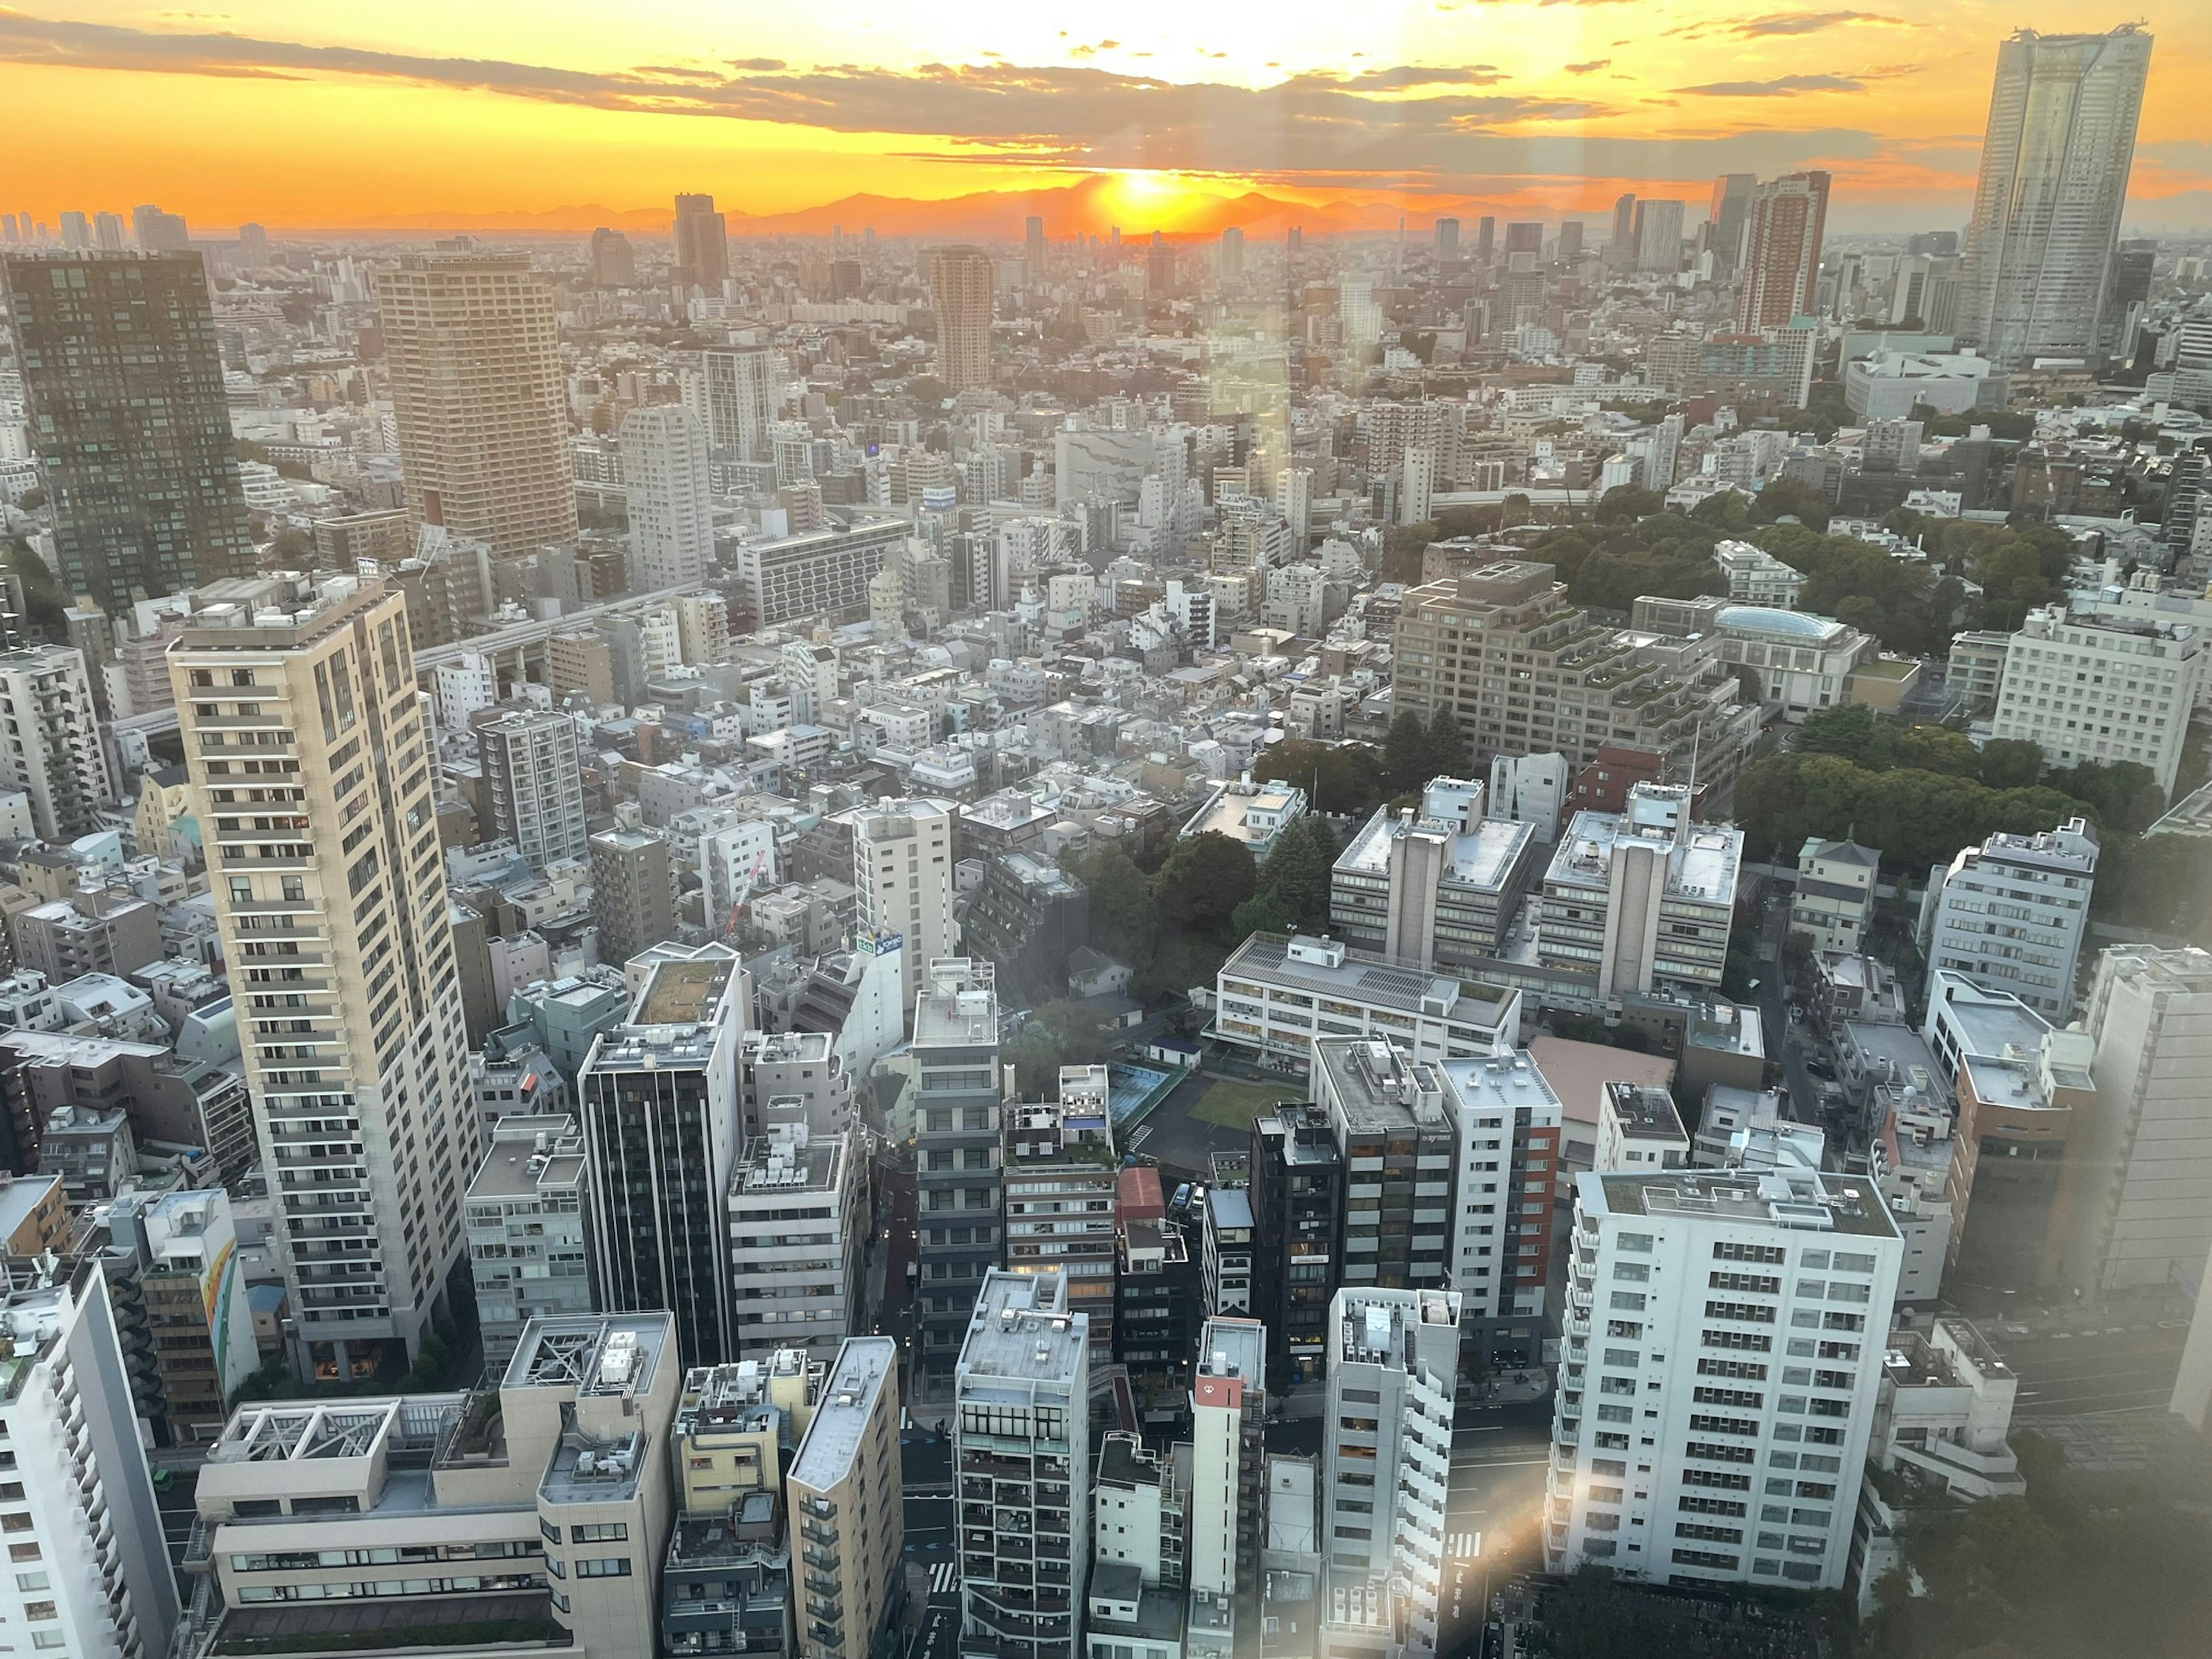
point(107, 232)
point(76, 232)
point(734, 393)
point(2054, 179)
point(1623, 247)
point(703, 245)
point(1486, 236)
point(474, 356)
point(960, 292)
point(124, 388)
point(1724, 220)
point(1232, 254)
point(1033, 245)
point(156, 232)
point(671, 503)
point(1658, 236)
point(1781, 271)
point(1447, 240)
point(614, 262)
point(1524, 236)
point(534, 774)
point(334, 914)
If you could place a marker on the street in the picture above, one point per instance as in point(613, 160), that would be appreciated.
point(1499, 1453)
point(2115, 1361)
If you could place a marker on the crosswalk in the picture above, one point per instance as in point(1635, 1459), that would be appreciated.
point(943, 1577)
point(1463, 1545)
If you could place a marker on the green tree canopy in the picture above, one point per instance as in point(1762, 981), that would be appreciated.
point(1206, 878)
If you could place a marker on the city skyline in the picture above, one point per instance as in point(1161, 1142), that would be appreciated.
point(1534, 109)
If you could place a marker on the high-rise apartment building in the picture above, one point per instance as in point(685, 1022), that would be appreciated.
point(1725, 219)
point(2102, 688)
point(54, 754)
point(1723, 1355)
point(2146, 1206)
point(1061, 1171)
point(1226, 1523)
point(633, 891)
point(533, 764)
point(1386, 1466)
point(529, 1222)
point(797, 1217)
point(819, 574)
point(902, 875)
point(1780, 275)
point(957, 1151)
point(473, 352)
point(659, 1099)
point(734, 392)
point(960, 284)
point(2060, 139)
point(2009, 914)
point(307, 746)
point(669, 495)
point(1298, 1205)
point(124, 396)
point(156, 232)
point(843, 1495)
point(703, 245)
point(1021, 1454)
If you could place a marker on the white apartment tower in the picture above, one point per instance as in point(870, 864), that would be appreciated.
point(671, 497)
point(734, 396)
point(54, 754)
point(960, 281)
point(307, 744)
point(1720, 1366)
point(1393, 1361)
point(533, 771)
point(2009, 914)
point(903, 870)
point(2102, 688)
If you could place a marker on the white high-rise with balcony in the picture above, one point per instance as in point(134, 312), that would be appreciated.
point(671, 503)
point(2009, 914)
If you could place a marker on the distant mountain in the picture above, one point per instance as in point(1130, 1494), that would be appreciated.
point(583, 218)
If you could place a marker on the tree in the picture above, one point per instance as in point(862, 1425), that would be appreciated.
point(1266, 912)
point(1035, 1055)
point(1205, 880)
point(1447, 748)
point(2011, 763)
point(1296, 875)
point(1344, 778)
point(1791, 498)
point(1124, 919)
point(1627, 501)
point(2125, 793)
point(1407, 753)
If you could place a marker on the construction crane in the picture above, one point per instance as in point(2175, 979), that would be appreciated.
point(745, 892)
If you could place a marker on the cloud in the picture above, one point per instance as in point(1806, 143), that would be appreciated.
point(1590, 68)
point(1811, 22)
point(1782, 86)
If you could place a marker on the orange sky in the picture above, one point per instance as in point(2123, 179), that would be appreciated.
point(329, 117)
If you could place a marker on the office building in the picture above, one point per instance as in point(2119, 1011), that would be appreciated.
point(532, 761)
point(633, 891)
point(54, 755)
point(1447, 233)
point(1061, 1182)
point(1021, 1453)
point(799, 1220)
point(1264, 1001)
point(726, 1583)
point(2038, 261)
point(960, 284)
point(2102, 688)
point(1643, 898)
point(958, 1152)
point(1454, 646)
point(1225, 1521)
point(529, 1227)
point(1530, 789)
point(1725, 221)
point(123, 395)
point(843, 1496)
point(534, 1511)
point(1658, 236)
point(2009, 914)
point(2146, 1214)
point(1780, 275)
point(794, 1077)
point(614, 262)
point(657, 1098)
point(1232, 254)
point(1833, 900)
point(1139, 1510)
point(736, 395)
point(473, 352)
point(903, 876)
point(672, 504)
point(1225, 1243)
point(1297, 1211)
point(1386, 1466)
point(1439, 888)
point(1392, 1126)
point(821, 573)
point(1639, 1127)
point(356, 1056)
point(1798, 663)
point(1723, 1355)
point(93, 1573)
point(703, 246)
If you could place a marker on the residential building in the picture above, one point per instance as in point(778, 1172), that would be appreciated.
point(529, 1224)
point(1909, 1124)
point(123, 398)
point(80, 1513)
point(1400, 1147)
point(2146, 1207)
point(356, 1057)
point(658, 1100)
point(1643, 898)
point(1156, 1288)
point(193, 1288)
point(472, 350)
point(532, 761)
point(843, 1495)
point(1756, 577)
point(105, 930)
point(2038, 250)
point(799, 1222)
point(958, 1149)
point(550, 1493)
point(1779, 276)
point(1253, 813)
point(1833, 900)
point(1227, 1244)
point(1441, 887)
point(726, 1583)
point(902, 875)
point(1974, 668)
point(1274, 995)
point(664, 454)
point(1029, 916)
point(1140, 1506)
point(1297, 1210)
point(1386, 1467)
point(2103, 689)
point(633, 891)
point(1639, 1127)
point(735, 394)
point(2009, 914)
point(960, 286)
point(1226, 1523)
point(1714, 1414)
point(1021, 1454)
point(1060, 1172)
point(794, 1077)
point(55, 754)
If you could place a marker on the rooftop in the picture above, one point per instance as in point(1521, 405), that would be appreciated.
point(1702, 859)
point(528, 1152)
point(1798, 627)
point(865, 1367)
point(1022, 1332)
point(684, 993)
point(610, 1354)
point(1482, 857)
point(1795, 1201)
point(1646, 1112)
point(1332, 969)
point(959, 1006)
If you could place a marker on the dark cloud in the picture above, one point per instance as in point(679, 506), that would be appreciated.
point(1408, 123)
point(1590, 68)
